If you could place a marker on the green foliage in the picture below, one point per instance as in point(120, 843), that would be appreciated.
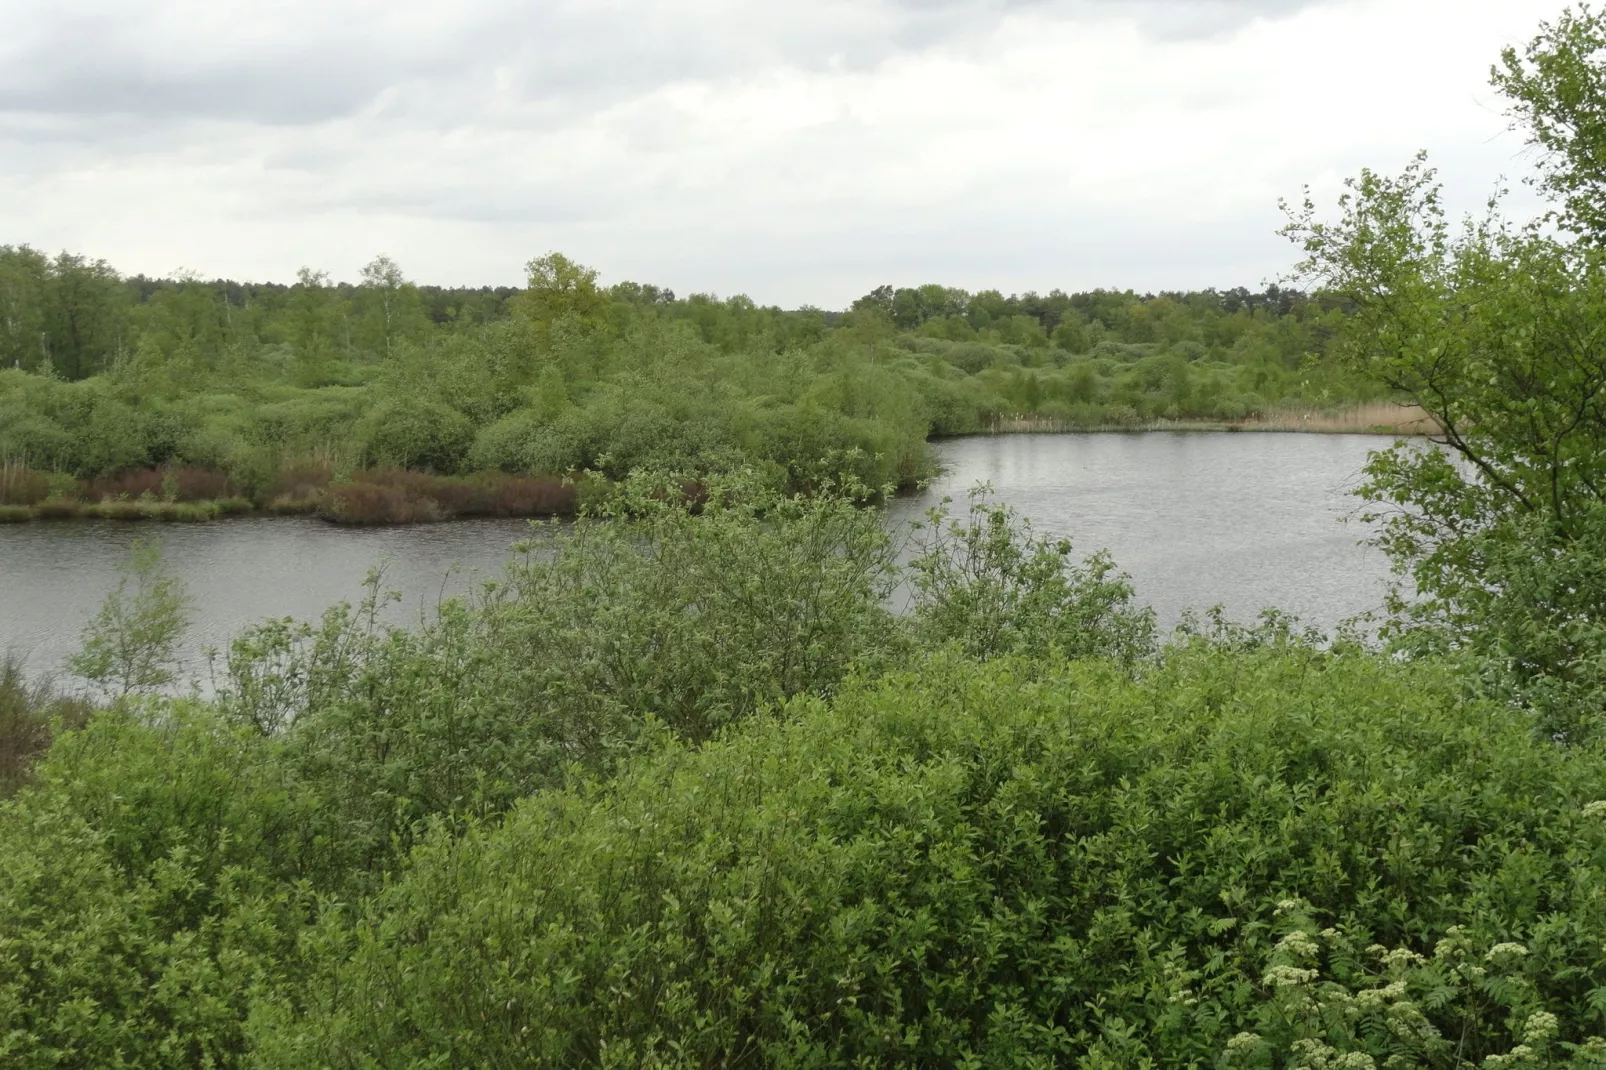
point(256, 382)
point(150, 891)
point(1391, 1006)
point(30, 712)
point(639, 618)
point(989, 866)
point(415, 433)
point(132, 642)
point(1493, 329)
point(681, 790)
point(1553, 85)
point(992, 586)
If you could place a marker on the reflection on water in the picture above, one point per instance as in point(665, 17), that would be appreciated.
point(1248, 520)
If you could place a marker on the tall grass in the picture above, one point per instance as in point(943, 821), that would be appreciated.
point(21, 485)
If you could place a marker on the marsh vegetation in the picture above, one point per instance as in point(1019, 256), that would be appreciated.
point(681, 790)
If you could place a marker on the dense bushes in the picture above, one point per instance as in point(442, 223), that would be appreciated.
point(604, 635)
point(415, 433)
point(152, 887)
point(1017, 865)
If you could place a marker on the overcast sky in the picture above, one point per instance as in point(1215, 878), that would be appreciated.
point(801, 152)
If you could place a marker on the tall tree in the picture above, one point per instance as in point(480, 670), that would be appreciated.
point(1558, 99)
point(86, 316)
point(556, 288)
point(393, 310)
point(1498, 330)
point(24, 280)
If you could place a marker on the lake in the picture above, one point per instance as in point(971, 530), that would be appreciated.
point(1247, 520)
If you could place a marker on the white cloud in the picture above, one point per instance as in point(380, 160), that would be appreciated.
point(800, 153)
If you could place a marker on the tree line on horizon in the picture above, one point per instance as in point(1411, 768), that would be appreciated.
point(75, 317)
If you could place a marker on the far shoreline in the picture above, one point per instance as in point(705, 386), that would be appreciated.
point(1401, 421)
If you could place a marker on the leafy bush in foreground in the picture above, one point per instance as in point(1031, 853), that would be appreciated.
point(993, 866)
point(152, 883)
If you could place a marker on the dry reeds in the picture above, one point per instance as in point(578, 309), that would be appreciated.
point(1376, 417)
point(1367, 418)
point(21, 485)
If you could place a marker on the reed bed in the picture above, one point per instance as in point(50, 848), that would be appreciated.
point(21, 485)
point(1376, 417)
point(1369, 418)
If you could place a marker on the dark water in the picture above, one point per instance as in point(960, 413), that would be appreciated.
point(1248, 520)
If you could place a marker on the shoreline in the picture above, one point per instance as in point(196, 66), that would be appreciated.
point(397, 510)
point(1373, 418)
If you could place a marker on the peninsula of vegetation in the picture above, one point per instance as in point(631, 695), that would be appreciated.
point(684, 790)
point(387, 401)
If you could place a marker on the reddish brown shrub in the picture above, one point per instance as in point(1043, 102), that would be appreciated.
point(400, 496)
point(132, 484)
point(374, 503)
point(300, 481)
point(184, 484)
point(530, 495)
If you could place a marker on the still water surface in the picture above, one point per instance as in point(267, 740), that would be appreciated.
point(1246, 520)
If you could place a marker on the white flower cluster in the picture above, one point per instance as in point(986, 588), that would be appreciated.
point(1315, 1055)
point(1288, 976)
point(1300, 945)
point(1505, 954)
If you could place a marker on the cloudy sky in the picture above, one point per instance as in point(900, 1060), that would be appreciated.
point(800, 152)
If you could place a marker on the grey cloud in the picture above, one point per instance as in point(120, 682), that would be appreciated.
point(309, 63)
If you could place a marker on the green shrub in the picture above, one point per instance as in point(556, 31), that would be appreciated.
point(148, 894)
point(988, 583)
point(30, 712)
point(994, 866)
point(606, 633)
point(415, 433)
point(511, 444)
